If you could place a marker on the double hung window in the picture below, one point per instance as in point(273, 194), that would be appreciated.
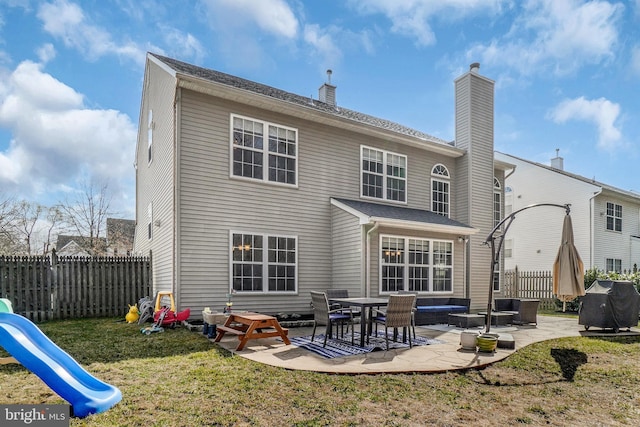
point(272, 161)
point(384, 175)
point(614, 217)
point(263, 263)
point(417, 265)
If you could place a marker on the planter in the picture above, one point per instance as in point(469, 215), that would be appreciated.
point(487, 343)
point(468, 340)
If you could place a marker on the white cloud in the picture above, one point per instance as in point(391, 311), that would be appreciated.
point(272, 16)
point(56, 139)
point(67, 21)
point(601, 112)
point(412, 18)
point(557, 35)
point(184, 43)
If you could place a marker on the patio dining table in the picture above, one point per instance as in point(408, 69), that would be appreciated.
point(364, 304)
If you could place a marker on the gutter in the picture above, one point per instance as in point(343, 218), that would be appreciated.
point(367, 271)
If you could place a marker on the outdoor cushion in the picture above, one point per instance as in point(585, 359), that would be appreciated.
point(439, 308)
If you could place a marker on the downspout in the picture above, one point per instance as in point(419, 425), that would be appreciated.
point(592, 220)
point(367, 272)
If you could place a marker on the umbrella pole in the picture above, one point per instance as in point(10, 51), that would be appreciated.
point(495, 252)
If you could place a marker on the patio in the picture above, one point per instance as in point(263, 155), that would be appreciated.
point(441, 357)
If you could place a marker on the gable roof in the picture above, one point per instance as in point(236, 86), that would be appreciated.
point(209, 75)
point(606, 187)
point(402, 217)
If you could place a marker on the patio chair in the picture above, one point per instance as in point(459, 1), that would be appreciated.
point(413, 312)
point(340, 293)
point(398, 314)
point(324, 316)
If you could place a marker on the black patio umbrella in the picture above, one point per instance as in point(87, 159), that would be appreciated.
point(568, 269)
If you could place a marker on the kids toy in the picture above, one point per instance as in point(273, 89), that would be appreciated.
point(22, 339)
point(133, 315)
point(167, 316)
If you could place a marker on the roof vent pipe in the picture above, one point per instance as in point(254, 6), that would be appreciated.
point(474, 67)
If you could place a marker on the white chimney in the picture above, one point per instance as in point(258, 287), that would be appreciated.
point(557, 162)
point(327, 92)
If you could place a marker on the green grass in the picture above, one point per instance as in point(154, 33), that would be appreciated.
point(179, 378)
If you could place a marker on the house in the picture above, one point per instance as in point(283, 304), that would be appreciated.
point(606, 219)
point(120, 234)
point(71, 246)
point(249, 192)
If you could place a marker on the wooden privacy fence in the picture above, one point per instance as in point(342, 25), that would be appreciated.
point(530, 284)
point(51, 287)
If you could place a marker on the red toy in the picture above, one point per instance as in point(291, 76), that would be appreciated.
point(164, 316)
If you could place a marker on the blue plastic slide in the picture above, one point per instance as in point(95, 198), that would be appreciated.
point(36, 352)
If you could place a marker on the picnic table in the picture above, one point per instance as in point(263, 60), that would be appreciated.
point(249, 326)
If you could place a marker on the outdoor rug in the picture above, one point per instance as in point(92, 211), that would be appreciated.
point(340, 348)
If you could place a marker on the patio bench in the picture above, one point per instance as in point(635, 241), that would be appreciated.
point(433, 310)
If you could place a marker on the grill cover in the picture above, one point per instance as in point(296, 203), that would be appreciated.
point(610, 304)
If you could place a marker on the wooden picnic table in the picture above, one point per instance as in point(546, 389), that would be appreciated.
point(249, 326)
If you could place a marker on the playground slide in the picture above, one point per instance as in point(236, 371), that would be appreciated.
point(36, 352)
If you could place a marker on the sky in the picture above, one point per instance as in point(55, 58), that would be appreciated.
point(566, 75)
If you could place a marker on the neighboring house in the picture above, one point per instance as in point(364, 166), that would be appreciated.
point(606, 220)
point(247, 188)
point(71, 246)
point(120, 234)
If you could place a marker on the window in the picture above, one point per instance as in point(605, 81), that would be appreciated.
point(614, 217)
point(508, 248)
point(384, 175)
point(149, 221)
point(497, 202)
point(256, 268)
point(150, 126)
point(440, 190)
point(417, 265)
point(614, 264)
point(249, 151)
point(508, 201)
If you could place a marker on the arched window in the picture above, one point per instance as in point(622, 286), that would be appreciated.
point(440, 190)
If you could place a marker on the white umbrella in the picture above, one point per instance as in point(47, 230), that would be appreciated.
point(568, 269)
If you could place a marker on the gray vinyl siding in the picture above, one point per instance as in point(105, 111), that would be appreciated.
point(474, 133)
point(347, 255)
point(211, 203)
point(155, 180)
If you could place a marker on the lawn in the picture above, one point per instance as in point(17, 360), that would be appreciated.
point(179, 378)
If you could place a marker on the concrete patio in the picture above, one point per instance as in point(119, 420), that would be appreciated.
point(430, 358)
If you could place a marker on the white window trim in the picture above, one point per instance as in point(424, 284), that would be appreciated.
point(441, 177)
point(150, 127)
point(150, 221)
point(606, 216)
point(265, 152)
point(406, 264)
point(265, 263)
point(384, 176)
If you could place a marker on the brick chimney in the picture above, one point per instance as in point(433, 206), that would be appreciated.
point(327, 92)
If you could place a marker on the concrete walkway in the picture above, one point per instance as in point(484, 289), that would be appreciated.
point(430, 358)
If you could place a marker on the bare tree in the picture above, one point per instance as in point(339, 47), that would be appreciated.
point(9, 244)
point(27, 215)
point(54, 218)
point(86, 216)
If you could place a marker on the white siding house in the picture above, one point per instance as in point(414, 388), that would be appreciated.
point(606, 220)
point(249, 189)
